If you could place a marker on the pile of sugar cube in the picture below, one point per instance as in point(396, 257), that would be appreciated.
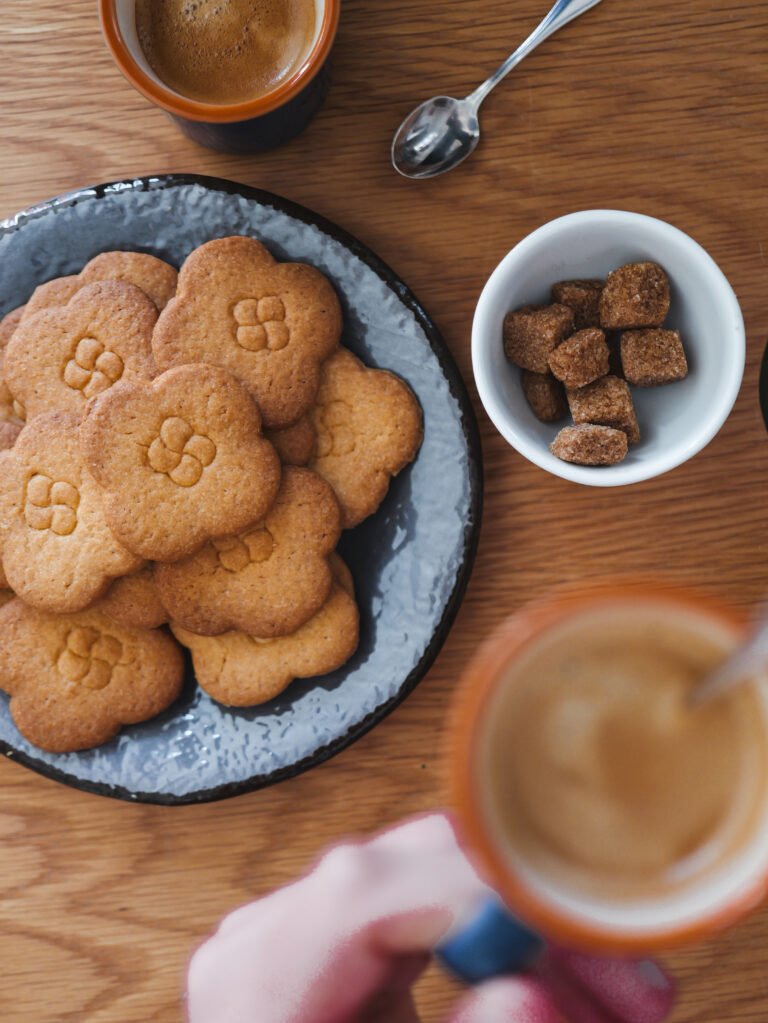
point(581, 353)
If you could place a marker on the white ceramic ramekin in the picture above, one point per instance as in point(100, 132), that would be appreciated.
point(676, 420)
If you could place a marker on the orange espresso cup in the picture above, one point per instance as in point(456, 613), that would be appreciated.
point(248, 127)
point(559, 910)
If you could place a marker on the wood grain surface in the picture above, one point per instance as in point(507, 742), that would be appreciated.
point(656, 107)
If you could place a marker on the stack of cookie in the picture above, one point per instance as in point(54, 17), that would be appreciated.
point(184, 453)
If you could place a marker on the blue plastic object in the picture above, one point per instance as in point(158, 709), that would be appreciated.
point(493, 943)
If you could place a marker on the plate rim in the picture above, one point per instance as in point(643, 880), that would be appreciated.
point(469, 427)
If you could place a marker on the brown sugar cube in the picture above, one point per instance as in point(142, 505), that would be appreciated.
point(606, 402)
point(583, 297)
point(651, 357)
point(581, 358)
point(530, 334)
point(590, 445)
point(635, 295)
point(545, 395)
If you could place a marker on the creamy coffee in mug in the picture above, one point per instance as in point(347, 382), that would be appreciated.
point(603, 778)
point(225, 51)
point(606, 809)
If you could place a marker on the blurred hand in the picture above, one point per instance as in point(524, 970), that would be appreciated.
point(345, 944)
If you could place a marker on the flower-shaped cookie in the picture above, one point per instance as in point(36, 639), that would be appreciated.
point(61, 357)
point(156, 279)
point(180, 460)
point(133, 601)
point(271, 324)
point(58, 552)
point(266, 581)
point(74, 680)
point(369, 426)
point(240, 671)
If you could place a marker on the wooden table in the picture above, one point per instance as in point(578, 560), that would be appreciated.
point(656, 107)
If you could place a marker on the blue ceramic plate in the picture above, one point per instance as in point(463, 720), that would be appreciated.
point(411, 561)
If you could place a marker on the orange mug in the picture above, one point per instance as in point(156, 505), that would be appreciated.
point(582, 919)
point(257, 125)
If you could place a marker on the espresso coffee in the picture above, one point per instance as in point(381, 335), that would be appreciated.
point(225, 51)
point(601, 778)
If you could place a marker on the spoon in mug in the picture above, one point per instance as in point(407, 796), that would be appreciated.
point(742, 666)
point(442, 132)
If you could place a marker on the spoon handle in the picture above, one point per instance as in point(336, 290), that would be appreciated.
point(746, 663)
point(563, 12)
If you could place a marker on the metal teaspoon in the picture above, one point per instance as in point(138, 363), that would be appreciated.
point(443, 131)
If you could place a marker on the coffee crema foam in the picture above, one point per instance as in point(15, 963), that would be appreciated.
point(225, 51)
point(600, 776)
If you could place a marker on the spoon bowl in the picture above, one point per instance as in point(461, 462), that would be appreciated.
point(435, 137)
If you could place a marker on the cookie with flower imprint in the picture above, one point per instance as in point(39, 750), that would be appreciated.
point(271, 324)
point(75, 680)
point(155, 277)
point(58, 552)
point(239, 670)
point(369, 427)
point(62, 357)
point(267, 580)
point(180, 460)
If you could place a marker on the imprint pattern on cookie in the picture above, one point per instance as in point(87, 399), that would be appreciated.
point(368, 426)
point(260, 324)
point(58, 552)
point(63, 356)
point(241, 670)
point(266, 581)
point(76, 679)
point(334, 433)
point(236, 553)
point(92, 368)
point(180, 453)
point(271, 324)
point(51, 504)
point(180, 460)
point(89, 657)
